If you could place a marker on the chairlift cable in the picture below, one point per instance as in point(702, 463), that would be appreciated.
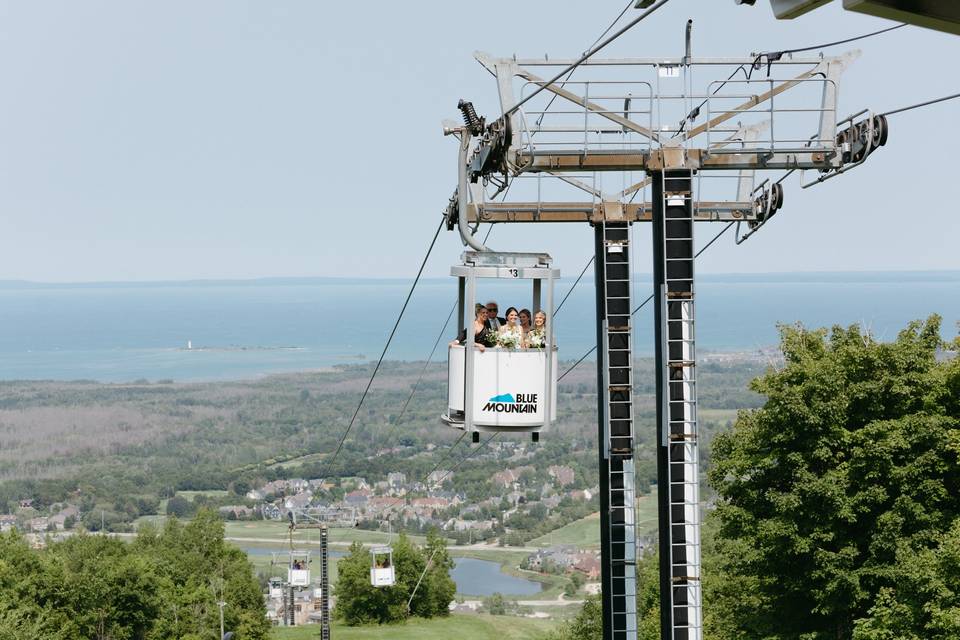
point(645, 302)
point(776, 55)
point(420, 579)
point(920, 104)
point(587, 55)
point(605, 32)
point(423, 371)
point(574, 285)
point(393, 332)
point(416, 384)
point(472, 453)
point(838, 42)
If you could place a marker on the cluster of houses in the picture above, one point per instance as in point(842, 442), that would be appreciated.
point(28, 519)
point(418, 505)
point(563, 559)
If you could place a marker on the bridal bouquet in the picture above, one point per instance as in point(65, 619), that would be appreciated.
point(509, 340)
point(536, 339)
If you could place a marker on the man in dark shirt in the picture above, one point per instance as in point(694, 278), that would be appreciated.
point(493, 321)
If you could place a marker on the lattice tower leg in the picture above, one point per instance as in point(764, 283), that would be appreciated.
point(616, 442)
point(677, 462)
point(324, 585)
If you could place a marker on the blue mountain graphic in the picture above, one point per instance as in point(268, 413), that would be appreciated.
point(504, 397)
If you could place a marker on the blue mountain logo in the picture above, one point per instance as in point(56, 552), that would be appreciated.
point(512, 403)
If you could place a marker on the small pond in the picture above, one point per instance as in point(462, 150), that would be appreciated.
point(483, 578)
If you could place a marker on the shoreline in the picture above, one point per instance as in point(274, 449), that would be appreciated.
point(761, 355)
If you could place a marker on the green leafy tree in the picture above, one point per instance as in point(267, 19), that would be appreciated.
point(495, 604)
point(162, 585)
point(179, 507)
point(359, 602)
point(587, 625)
point(846, 475)
point(437, 589)
point(924, 602)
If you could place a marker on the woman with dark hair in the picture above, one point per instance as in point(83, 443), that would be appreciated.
point(481, 333)
point(525, 319)
point(511, 334)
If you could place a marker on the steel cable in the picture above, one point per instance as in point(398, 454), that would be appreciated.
point(393, 332)
point(644, 303)
point(605, 32)
point(920, 104)
point(423, 371)
point(587, 55)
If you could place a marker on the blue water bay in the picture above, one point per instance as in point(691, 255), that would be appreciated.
point(123, 332)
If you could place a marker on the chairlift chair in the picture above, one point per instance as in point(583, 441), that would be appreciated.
point(502, 390)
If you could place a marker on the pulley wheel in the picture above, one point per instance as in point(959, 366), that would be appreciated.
point(879, 131)
point(776, 197)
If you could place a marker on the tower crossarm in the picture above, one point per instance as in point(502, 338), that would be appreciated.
point(535, 211)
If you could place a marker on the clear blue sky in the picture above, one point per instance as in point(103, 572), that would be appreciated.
point(238, 139)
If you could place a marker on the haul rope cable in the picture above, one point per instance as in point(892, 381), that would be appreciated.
point(920, 104)
point(642, 304)
point(567, 79)
point(773, 56)
point(574, 285)
point(420, 579)
point(423, 371)
point(393, 331)
point(585, 56)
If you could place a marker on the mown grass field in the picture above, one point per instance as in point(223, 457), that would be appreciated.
point(585, 533)
point(465, 626)
point(273, 530)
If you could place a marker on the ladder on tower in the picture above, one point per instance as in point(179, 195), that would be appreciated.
point(324, 584)
point(618, 443)
point(677, 423)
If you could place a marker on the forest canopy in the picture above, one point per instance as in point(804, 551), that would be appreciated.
point(165, 584)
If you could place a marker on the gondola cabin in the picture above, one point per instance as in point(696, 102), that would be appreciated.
point(381, 567)
point(509, 385)
point(298, 570)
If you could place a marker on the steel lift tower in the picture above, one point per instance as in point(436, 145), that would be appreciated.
point(688, 135)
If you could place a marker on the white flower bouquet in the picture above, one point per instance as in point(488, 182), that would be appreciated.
point(536, 339)
point(509, 340)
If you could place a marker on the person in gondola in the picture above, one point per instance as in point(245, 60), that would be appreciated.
point(482, 334)
point(537, 336)
point(525, 322)
point(493, 321)
point(511, 334)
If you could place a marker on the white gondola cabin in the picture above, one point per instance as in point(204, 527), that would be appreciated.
point(381, 567)
point(502, 389)
point(298, 569)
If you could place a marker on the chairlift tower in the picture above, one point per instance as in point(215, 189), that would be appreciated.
point(672, 141)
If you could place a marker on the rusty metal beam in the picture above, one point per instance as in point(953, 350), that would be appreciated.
point(501, 212)
point(653, 160)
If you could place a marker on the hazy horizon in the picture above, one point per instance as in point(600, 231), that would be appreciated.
point(637, 275)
